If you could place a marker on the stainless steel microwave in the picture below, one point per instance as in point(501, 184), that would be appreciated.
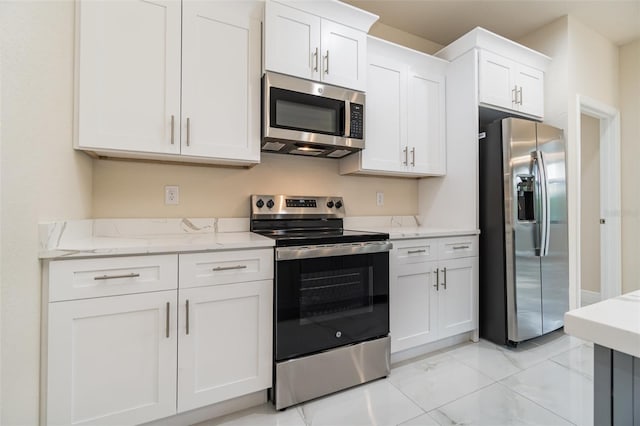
point(303, 117)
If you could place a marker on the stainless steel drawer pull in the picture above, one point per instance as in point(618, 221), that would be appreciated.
point(460, 247)
point(437, 284)
point(413, 156)
point(416, 251)
point(109, 277)
point(188, 130)
point(187, 322)
point(444, 284)
point(172, 128)
point(167, 326)
point(315, 55)
point(229, 268)
point(406, 156)
point(326, 70)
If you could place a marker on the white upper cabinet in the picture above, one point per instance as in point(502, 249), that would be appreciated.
point(404, 114)
point(131, 98)
point(322, 41)
point(510, 75)
point(510, 85)
point(221, 80)
point(128, 68)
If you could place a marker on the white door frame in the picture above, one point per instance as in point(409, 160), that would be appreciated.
point(610, 198)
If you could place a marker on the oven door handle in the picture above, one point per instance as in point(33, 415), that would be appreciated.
point(309, 252)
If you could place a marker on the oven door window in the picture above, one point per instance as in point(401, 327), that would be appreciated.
point(306, 113)
point(323, 303)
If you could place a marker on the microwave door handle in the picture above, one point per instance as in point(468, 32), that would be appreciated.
point(347, 119)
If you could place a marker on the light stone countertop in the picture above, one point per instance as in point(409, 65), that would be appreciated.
point(613, 323)
point(113, 237)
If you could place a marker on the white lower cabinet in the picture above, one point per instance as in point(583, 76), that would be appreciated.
point(131, 350)
point(433, 290)
point(112, 360)
point(224, 343)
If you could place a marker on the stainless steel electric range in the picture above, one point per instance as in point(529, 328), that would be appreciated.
point(331, 297)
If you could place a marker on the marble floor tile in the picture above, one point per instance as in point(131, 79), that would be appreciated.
point(536, 351)
point(495, 405)
point(579, 359)
point(557, 388)
point(434, 381)
point(264, 414)
point(376, 403)
point(423, 420)
point(487, 358)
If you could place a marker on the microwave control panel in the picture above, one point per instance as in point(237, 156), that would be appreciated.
point(357, 121)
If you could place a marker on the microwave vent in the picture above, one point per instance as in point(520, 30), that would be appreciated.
point(339, 153)
point(273, 146)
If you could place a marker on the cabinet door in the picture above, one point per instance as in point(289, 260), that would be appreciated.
point(413, 305)
point(426, 123)
point(225, 342)
point(530, 82)
point(112, 360)
point(292, 41)
point(344, 56)
point(458, 296)
point(496, 80)
point(128, 67)
point(385, 115)
point(221, 80)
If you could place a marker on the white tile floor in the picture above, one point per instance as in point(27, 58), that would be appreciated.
point(548, 381)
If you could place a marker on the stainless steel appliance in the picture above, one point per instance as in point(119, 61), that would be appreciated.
point(524, 278)
point(303, 117)
point(331, 297)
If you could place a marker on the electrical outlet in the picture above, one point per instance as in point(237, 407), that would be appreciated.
point(171, 195)
point(380, 198)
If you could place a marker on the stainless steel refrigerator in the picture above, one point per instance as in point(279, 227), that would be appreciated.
point(524, 276)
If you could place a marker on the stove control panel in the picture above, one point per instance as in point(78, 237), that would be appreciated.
point(283, 206)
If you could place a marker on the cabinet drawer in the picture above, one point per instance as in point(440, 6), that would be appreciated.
point(111, 276)
point(455, 247)
point(225, 267)
point(415, 251)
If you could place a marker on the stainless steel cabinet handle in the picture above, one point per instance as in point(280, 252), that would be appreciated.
point(444, 284)
point(316, 60)
point(326, 69)
point(187, 321)
point(108, 277)
point(437, 284)
point(460, 247)
point(416, 251)
point(188, 130)
point(173, 120)
point(514, 95)
point(228, 268)
point(413, 156)
point(167, 326)
point(406, 156)
point(520, 95)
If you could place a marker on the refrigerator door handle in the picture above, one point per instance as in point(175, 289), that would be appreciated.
point(545, 221)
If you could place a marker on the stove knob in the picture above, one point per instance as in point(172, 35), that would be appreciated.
point(338, 204)
point(270, 203)
point(260, 203)
point(330, 204)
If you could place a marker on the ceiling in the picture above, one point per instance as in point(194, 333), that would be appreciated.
point(443, 21)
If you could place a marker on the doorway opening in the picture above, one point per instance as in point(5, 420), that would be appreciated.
point(599, 221)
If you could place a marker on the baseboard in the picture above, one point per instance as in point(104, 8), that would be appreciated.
point(212, 411)
point(408, 354)
point(588, 297)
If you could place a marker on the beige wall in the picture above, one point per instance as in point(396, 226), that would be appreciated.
point(42, 179)
point(403, 38)
point(128, 189)
point(630, 153)
point(590, 203)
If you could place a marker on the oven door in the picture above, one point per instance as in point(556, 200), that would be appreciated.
point(330, 296)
